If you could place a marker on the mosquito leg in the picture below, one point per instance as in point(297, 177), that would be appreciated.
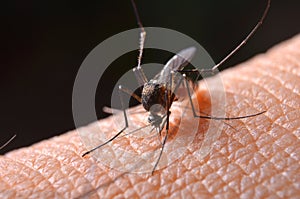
point(159, 137)
point(168, 93)
point(259, 23)
point(124, 90)
point(140, 75)
point(130, 92)
point(241, 44)
point(169, 96)
point(223, 122)
point(212, 117)
point(6, 143)
point(161, 150)
point(115, 136)
point(196, 71)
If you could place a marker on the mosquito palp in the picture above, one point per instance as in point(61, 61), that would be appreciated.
point(159, 93)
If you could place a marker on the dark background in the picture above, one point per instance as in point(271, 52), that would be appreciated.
point(43, 44)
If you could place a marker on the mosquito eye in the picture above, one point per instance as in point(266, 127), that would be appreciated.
point(151, 118)
point(154, 119)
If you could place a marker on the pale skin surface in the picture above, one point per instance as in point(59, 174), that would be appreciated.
point(259, 158)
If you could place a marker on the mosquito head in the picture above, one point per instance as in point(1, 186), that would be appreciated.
point(153, 97)
point(155, 120)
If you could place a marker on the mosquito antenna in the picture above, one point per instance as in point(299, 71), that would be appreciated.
point(137, 16)
point(138, 71)
point(259, 23)
point(142, 34)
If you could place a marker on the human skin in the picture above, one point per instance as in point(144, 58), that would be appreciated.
point(253, 158)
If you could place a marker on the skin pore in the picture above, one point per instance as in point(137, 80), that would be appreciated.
point(253, 158)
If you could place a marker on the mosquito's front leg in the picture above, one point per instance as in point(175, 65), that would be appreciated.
point(140, 76)
point(168, 93)
point(121, 92)
point(161, 150)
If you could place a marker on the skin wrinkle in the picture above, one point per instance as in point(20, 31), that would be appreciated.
point(283, 80)
point(236, 162)
point(223, 182)
point(280, 80)
point(180, 183)
point(24, 171)
point(281, 72)
point(274, 105)
point(212, 169)
point(259, 159)
point(87, 167)
point(271, 157)
point(242, 80)
point(247, 96)
point(72, 177)
point(66, 163)
point(275, 120)
point(20, 176)
point(65, 177)
point(55, 158)
point(241, 112)
point(100, 184)
point(51, 158)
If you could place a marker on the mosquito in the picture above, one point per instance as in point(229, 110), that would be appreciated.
point(7, 142)
point(158, 94)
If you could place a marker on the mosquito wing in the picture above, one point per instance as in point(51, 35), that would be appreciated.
point(177, 62)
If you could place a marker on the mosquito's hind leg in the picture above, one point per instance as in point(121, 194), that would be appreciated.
point(121, 92)
point(212, 117)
